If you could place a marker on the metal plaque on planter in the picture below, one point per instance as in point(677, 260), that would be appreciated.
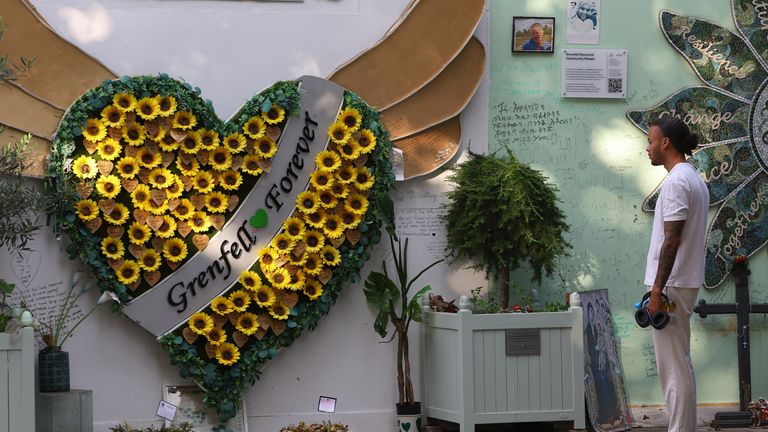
point(521, 342)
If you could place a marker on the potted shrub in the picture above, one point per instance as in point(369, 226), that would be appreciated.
point(503, 367)
point(389, 296)
point(501, 214)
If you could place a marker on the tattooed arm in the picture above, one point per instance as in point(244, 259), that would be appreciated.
point(673, 234)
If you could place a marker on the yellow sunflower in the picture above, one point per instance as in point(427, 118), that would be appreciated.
point(349, 219)
point(203, 182)
point(216, 202)
point(247, 324)
point(128, 272)
point(350, 118)
point(167, 228)
point(327, 199)
point(166, 105)
point(333, 228)
point(94, 130)
point(250, 280)
point(275, 115)
point(278, 277)
point(140, 197)
point(191, 143)
point(346, 174)
point(112, 248)
point(109, 149)
point(188, 168)
point(174, 250)
point(220, 159)
point(315, 220)
point(327, 160)
point(356, 203)
point(321, 180)
point(307, 202)
point(156, 208)
point(128, 167)
point(267, 257)
point(222, 306)
point(340, 190)
point(279, 311)
point(148, 158)
point(230, 180)
point(184, 120)
point(363, 179)
point(86, 210)
point(134, 134)
point(200, 323)
point(209, 139)
point(175, 189)
point(112, 116)
point(255, 127)
point(265, 147)
point(216, 336)
point(339, 133)
point(283, 243)
point(350, 150)
point(251, 165)
point(240, 300)
point(147, 108)
point(313, 264)
point(366, 140)
point(108, 186)
point(314, 240)
point(294, 227)
point(330, 255)
point(168, 143)
point(297, 259)
point(138, 233)
point(235, 142)
point(313, 289)
point(158, 136)
point(118, 215)
point(161, 178)
point(150, 260)
point(184, 210)
point(227, 354)
point(199, 222)
point(84, 167)
point(124, 101)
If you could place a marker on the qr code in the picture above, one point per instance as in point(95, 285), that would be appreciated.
point(615, 85)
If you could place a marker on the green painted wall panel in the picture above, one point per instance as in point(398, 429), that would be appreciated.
point(597, 159)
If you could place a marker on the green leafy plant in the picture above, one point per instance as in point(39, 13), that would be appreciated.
point(11, 70)
point(325, 426)
point(483, 304)
point(390, 299)
point(5, 289)
point(501, 214)
point(124, 427)
point(18, 214)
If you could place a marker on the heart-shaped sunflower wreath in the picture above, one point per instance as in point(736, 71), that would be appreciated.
point(289, 196)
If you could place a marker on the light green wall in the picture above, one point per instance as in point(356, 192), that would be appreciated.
point(597, 159)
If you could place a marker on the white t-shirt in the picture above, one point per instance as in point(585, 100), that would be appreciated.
point(683, 196)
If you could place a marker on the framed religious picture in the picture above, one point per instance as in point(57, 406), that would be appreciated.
point(533, 35)
point(603, 382)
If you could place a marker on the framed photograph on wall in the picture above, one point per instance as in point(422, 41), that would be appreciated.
point(533, 35)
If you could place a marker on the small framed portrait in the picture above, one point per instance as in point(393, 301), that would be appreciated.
point(533, 35)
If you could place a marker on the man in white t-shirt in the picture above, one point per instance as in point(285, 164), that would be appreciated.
point(675, 263)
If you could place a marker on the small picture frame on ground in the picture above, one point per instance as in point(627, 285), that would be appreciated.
point(533, 35)
point(326, 404)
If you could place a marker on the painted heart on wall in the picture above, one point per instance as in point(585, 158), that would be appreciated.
point(224, 239)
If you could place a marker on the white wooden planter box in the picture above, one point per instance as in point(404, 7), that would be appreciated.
point(17, 381)
point(468, 378)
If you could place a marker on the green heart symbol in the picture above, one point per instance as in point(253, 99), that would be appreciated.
point(260, 219)
point(406, 426)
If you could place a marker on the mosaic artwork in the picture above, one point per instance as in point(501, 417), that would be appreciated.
point(730, 114)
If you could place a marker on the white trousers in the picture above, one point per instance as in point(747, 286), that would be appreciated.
point(672, 345)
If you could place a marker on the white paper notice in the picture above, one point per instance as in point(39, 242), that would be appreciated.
point(166, 410)
point(583, 22)
point(398, 163)
point(594, 73)
point(327, 404)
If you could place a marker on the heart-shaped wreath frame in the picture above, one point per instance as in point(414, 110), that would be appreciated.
point(196, 357)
